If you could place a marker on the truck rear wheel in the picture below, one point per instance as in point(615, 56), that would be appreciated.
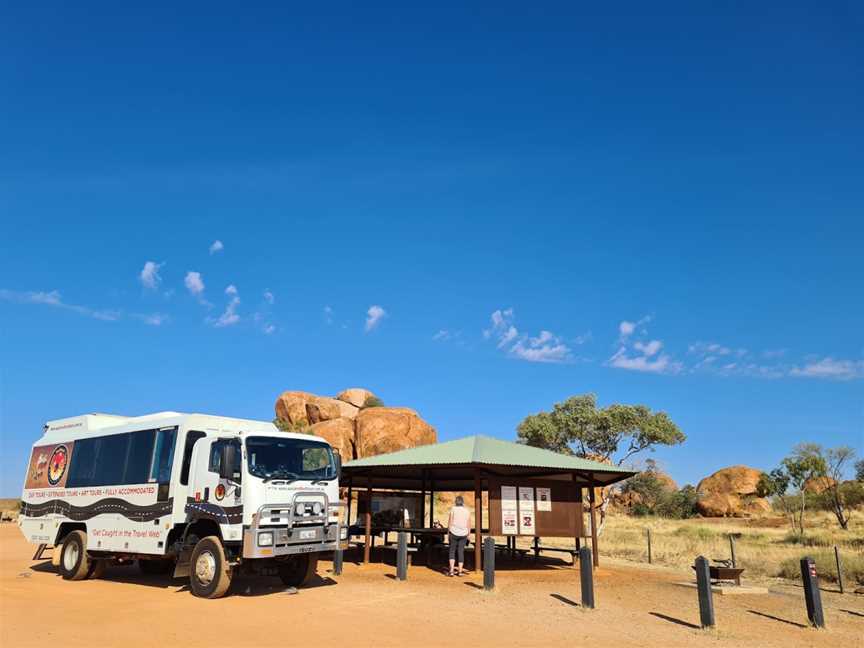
point(210, 574)
point(74, 562)
point(298, 569)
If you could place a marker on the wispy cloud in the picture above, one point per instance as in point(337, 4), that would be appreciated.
point(149, 275)
point(229, 317)
point(641, 355)
point(544, 347)
point(216, 246)
point(830, 368)
point(55, 300)
point(269, 329)
point(269, 297)
point(328, 315)
point(373, 317)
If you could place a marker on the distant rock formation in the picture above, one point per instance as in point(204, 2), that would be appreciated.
point(731, 492)
point(818, 485)
point(350, 427)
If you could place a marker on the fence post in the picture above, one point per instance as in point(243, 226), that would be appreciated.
point(839, 568)
point(649, 545)
point(812, 596)
point(337, 562)
point(402, 557)
point(586, 572)
point(706, 597)
point(489, 564)
point(732, 549)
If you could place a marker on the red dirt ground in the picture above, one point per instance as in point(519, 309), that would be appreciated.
point(366, 606)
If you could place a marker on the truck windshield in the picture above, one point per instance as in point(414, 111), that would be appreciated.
point(291, 459)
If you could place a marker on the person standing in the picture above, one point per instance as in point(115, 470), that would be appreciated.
point(459, 526)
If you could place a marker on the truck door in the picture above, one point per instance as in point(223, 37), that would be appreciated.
point(209, 495)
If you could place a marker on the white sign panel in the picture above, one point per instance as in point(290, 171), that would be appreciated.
point(509, 511)
point(526, 510)
point(544, 499)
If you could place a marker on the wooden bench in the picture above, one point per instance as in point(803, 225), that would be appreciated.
point(573, 552)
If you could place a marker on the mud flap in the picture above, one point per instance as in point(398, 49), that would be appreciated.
point(182, 568)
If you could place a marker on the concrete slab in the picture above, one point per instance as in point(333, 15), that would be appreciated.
point(730, 590)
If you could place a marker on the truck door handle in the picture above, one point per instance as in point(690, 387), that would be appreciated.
point(207, 494)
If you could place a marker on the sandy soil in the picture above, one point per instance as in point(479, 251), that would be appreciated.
point(366, 606)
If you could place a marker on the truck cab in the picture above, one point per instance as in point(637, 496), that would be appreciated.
point(275, 499)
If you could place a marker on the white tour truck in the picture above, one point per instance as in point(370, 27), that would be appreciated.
point(197, 495)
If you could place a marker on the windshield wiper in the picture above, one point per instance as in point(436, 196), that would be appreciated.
point(323, 480)
point(289, 476)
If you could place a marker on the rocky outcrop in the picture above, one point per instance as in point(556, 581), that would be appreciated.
point(339, 433)
point(386, 429)
point(353, 430)
point(356, 396)
point(731, 492)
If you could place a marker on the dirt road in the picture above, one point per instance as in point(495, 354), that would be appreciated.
point(366, 606)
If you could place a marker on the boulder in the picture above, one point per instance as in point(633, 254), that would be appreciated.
point(731, 492)
point(356, 396)
point(291, 406)
point(339, 433)
point(386, 429)
point(323, 409)
point(817, 485)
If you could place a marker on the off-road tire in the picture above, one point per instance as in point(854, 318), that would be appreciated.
point(156, 567)
point(74, 562)
point(208, 561)
point(299, 569)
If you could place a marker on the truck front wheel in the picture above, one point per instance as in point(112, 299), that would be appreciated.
point(298, 570)
point(74, 562)
point(210, 574)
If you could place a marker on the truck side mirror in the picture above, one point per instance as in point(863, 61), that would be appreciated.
point(337, 458)
point(227, 459)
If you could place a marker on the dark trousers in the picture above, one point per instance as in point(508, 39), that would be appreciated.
point(457, 546)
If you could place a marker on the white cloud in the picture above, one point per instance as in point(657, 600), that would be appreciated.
point(55, 300)
point(661, 364)
point(648, 349)
point(230, 316)
point(829, 368)
point(194, 283)
point(328, 315)
point(216, 246)
point(374, 316)
point(545, 347)
point(269, 297)
point(269, 329)
point(149, 275)
point(641, 355)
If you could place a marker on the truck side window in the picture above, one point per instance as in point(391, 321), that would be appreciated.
point(163, 456)
point(191, 437)
point(216, 457)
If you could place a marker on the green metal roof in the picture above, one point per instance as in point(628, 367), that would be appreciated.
point(481, 449)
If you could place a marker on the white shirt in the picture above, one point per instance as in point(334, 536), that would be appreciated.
point(459, 519)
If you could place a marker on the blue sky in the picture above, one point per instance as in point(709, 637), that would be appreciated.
point(474, 211)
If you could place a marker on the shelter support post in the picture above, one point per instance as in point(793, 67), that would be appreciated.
point(366, 545)
point(591, 498)
point(577, 494)
point(348, 511)
point(431, 504)
point(422, 520)
point(478, 519)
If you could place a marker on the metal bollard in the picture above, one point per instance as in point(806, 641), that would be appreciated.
point(649, 546)
point(812, 596)
point(586, 573)
point(489, 564)
point(706, 596)
point(337, 562)
point(402, 557)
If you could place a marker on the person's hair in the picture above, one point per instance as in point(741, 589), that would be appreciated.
point(460, 501)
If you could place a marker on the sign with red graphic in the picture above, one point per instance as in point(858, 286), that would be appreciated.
point(220, 492)
point(49, 466)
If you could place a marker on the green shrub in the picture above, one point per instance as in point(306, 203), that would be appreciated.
point(300, 427)
point(372, 401)
point(696, 532)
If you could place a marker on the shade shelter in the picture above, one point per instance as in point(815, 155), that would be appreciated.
point(483, 463)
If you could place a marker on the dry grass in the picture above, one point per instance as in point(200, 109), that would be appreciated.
point(765, 547)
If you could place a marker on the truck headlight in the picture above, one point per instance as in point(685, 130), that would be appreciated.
point(343, 533)
point(265, 539)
